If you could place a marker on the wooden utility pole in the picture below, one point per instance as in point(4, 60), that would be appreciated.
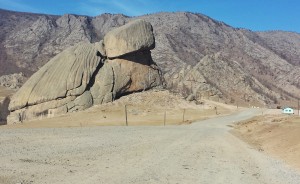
point(298, 107)
point(126, 115)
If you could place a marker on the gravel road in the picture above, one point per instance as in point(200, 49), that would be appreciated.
point(203, 152)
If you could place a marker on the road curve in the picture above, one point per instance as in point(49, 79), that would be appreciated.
point(203, 152)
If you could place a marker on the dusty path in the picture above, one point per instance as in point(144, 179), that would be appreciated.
point(204, 152)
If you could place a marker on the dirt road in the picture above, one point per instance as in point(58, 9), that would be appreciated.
point(204, 152)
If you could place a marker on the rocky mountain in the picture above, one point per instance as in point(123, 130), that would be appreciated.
point(200, 57)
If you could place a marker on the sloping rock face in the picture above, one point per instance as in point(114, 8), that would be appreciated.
point(67, 74)
point(82, 75)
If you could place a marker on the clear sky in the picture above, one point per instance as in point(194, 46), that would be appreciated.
point(256, 15)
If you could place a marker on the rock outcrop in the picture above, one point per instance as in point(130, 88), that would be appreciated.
point(88, 74)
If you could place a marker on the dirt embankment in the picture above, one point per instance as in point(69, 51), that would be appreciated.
point(275, 134)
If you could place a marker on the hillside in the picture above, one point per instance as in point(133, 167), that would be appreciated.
point(200, 57)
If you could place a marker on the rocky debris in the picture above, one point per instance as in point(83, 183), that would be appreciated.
point(12, 81)
point(152, 99)
point(196, 83)
point(82, 76)
point(191, 97)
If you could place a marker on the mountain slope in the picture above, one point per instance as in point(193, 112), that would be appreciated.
point(200, 57)
point(264, 75)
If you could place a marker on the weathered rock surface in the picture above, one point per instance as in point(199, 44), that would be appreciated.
point(125, 75)
point(82, 76)
point(134, 36)
point(67, 74)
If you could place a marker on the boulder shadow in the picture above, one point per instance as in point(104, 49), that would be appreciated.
point(4, 112)
point(140, 57)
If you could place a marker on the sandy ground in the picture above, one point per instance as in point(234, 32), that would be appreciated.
point(202, 152)
point(274, 133)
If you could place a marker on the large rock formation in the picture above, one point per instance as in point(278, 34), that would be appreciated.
point(88, 74)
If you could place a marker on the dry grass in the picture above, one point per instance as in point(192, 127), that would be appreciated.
point(147, 108)
point(4, 92)
point(116, 117)
point(276, 134)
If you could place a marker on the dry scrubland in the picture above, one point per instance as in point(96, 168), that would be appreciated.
point(147, 108)
point(273, 133)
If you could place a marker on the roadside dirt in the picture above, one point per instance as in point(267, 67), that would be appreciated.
point(275, 134)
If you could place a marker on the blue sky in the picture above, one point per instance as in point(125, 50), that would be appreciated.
point(251, 14)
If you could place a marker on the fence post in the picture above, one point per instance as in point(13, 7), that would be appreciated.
point(298, 107)
point(126, 115)
point(183, 115)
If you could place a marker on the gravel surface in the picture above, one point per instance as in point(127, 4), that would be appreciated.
point(203, 152)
